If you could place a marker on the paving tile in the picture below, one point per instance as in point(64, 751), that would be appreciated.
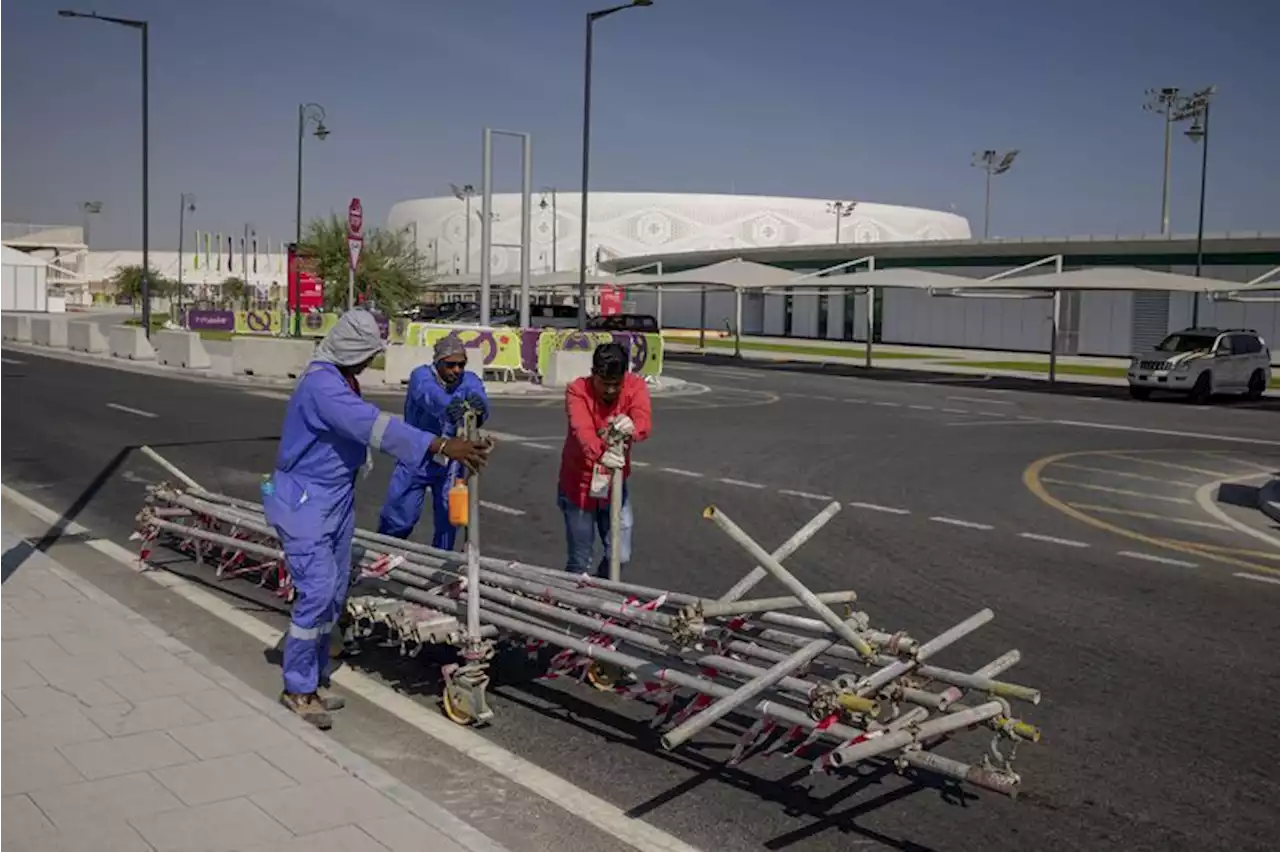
point(345, 800)
point(53, 729)
point(121, 639)
point(22, 821)
point(50, 700)
point(34, 648)
point(99, 836)
point(19, 673)
point(301, 762)
point(34, 767)
point(232, 736)
point(71, 670)
point(152, 659)
point(161, 684)
point(219, 704)
point(9, 711)
point(121, 755)
point(120, 798)
point(154, 714)
point(219, 827)
point(348, 838)
point(222, 778)
point(406, 833)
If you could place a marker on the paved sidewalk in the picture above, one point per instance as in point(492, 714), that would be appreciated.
point(117, 737)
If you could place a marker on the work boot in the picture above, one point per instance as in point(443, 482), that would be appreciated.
point(329, 699)
point(309, 707)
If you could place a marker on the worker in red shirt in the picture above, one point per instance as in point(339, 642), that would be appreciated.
point(610, 396)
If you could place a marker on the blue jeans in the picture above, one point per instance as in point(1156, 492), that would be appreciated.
point(580, 526)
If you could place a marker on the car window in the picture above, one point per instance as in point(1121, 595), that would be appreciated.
point(1183, 342)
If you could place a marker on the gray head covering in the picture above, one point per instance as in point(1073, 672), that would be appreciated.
point(353, 340)
point(447, 346)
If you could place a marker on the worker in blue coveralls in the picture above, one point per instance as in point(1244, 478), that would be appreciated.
point(438, 396)
point(328, 437)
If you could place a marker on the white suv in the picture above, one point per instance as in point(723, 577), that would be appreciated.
point(1201, 362)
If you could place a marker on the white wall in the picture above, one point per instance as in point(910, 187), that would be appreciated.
point(24, 288)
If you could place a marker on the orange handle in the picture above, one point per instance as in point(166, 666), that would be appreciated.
point(459, 506)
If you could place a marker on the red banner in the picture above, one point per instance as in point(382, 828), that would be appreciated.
point(610, 300)
point(303, 277)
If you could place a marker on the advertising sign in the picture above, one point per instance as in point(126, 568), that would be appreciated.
point(306, 287)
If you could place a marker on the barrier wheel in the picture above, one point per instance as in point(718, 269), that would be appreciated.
point(455, 714)
point(603, 676)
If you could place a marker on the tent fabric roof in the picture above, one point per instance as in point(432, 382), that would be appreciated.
point(13, 257)
point(1105, 278)
point(735, 274)
point(914, 279)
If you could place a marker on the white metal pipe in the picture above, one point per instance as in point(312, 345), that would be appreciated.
point(790, 546)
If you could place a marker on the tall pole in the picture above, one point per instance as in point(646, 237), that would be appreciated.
point(986, 208)
point(146, 210)
point(555, 236)
point(1204, 175)
point(486, 224)
point(1168, 171)
point(526, 229)
point(586, 177)
point(467, 261)
point(296, 307)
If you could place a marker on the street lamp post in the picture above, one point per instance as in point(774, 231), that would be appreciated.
point(592, 17)
point(1196, 108)
point(307, 114)
point(187, 203)
point(1164, 102)
point(464, 194)
point(993, 163)
point(141, 27)
point(90, 208)
point(555, 222)
point(841, 210)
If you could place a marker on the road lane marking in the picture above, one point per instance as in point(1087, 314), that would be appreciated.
point(995, 422)
point(1121, 491)
point(127, 410)
point(498, 507)
point(536, 446)
point(1069, 542)
point(1127, 475)
point(921, 407)
point(1204, 497)
point(955, 410)
point(1163, 560)
point(888, 404)
point(981, 401)
point(679, 471)
point(635, 463)
point(740, 482)
point(556, 790)
point(956, 522)
point(876, 507)
point(1151, 516)
point(804, 495)
point(1260, 579)
point(1216, 474)
point(1208, 436)
point(14, 361)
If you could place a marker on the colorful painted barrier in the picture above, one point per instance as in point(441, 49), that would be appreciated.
point(314, 324)
point(532, 349)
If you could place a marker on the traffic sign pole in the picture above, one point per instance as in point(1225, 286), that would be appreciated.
point(355, 242)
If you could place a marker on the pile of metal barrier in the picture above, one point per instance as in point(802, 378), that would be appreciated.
point(827, 687)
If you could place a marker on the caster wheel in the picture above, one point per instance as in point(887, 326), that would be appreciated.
point(453, 713)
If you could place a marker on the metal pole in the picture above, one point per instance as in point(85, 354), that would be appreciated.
point(1168, 160)
point(1204, 174)
point(146, 212)
point(486, 224)
point(182, 227)
point(526, 230)
point(297, 236)
point(586, 177)
point(790, 546)
point(702, 317)
point(555, 235)
point(615, 526)
point(473, 540)
point(467, 263)
point(737, 322)
point(986, 207)
point(871, 315)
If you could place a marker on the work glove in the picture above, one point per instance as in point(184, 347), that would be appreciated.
point(455, 411)
point(478, 404)
point(613, 460)
point(623, 425)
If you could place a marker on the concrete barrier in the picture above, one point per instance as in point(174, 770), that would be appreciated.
point(86, 336)
point(49, 331)
point(270, 356)
point(475, 362)
point(130, 342)
point(403, 360)
point(181, 349)
point(17, 327)
point(567, 366)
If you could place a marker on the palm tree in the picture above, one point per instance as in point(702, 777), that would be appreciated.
point(127, 283)
point(391, 272)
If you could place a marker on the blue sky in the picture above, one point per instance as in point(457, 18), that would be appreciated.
point(825, 98)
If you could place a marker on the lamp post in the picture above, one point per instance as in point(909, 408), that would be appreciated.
point(141, 27)
point(1196, 108)
point(841, 210)
point(89, 208)
point(993, 163)
point(1165, 102)
point(555, 221)
point(592, 17)
point(307, 114)
point(187, 203)
point(464, 194)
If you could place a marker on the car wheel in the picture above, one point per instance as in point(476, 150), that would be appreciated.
point(1139, 392)
point(1257, 385)
point(1202, 390)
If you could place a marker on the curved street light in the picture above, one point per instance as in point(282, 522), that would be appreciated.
point(308, 114)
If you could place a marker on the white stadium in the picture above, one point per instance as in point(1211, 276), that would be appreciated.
point(628, 224)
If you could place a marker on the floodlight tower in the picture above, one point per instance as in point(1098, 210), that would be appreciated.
point(1196, 108)
point(464, 194)
point(1165, 102)
point(841, 210)
point(993, 163)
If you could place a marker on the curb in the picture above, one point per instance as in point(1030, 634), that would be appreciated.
point(1269, 499)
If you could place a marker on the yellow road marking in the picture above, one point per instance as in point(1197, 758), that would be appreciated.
point(1237, 551)
point(1216, 474)
point(1122, 491)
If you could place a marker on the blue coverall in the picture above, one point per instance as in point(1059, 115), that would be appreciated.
point(427, 407)
point(310, 500)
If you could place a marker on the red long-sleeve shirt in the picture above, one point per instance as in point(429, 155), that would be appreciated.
point(588, 418)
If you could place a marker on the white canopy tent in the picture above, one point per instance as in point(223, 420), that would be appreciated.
point(25, 282)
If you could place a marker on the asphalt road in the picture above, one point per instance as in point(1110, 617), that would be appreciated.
point(1155, 654)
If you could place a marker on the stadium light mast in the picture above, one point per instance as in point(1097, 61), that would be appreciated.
point(1165, 102)
point(841, 210)
point(1196, 108)
point(993, 163)
point(464, 194)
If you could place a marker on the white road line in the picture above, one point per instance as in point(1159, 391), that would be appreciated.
point(1053, 539)
point(1258, 577)
point(956, 522)
point(1163, 560)
point(1108, 489)
point(876, 507)
point(1151, 516)
point(12, 361)
point(1127, 475)
point(126, 409)
point(679, 471)
point(804, 495)
point(571, 798)
point(740, 482)
point(853, 399)
point(40, 511)
point(535, 446)
point(955, 410)
point(635, 463)
point(990, 414)
point(498, 507)
point(981, 400)
point(888, 404)
point(1236, 439)
point(1205, 498)
point(921, 407)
